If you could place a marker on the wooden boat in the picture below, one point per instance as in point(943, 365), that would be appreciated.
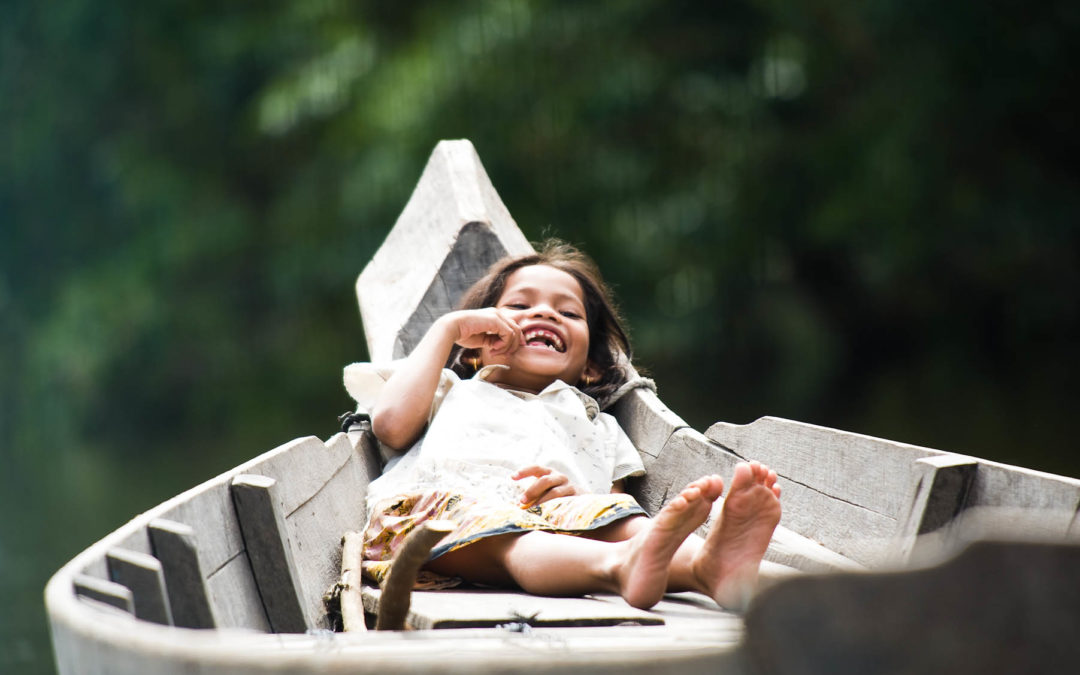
point(911, 559)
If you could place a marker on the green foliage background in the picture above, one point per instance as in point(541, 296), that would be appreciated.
point(855, 214)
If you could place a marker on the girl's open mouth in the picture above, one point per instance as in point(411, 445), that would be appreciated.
point(539, 337)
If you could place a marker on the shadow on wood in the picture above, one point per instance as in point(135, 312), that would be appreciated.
point(996, 608)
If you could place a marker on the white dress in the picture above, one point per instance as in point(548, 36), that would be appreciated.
point(480, 434)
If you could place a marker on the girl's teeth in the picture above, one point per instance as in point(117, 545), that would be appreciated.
point(543, 339)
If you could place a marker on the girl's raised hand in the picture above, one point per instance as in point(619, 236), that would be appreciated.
point(488, 327)
point(549, 484)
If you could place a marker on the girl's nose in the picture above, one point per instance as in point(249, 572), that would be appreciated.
point(543, 310)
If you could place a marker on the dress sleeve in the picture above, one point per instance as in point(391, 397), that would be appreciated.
point(627, 460)
point(364, 382)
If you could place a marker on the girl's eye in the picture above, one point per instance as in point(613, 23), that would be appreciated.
point(570, 314)
point(516, 305)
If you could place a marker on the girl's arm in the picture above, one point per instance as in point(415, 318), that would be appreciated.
point(401, 412)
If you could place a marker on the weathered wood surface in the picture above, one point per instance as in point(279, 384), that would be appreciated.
point(108, 644)
point(476, 608)
point(688, 455)
point(452, 228)
point(1014, 501)
point(317, 516)
point(230, 589)
point(938, 495)
point(270, 551)
point(996, 608)
point(647, 422)
point(174, 545)
point(880, 503)
point(104, 591)
point(396, 596)
point(141, 573)
point(352, 600)
point(845, 491)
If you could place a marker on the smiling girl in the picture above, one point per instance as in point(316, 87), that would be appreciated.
point(494, 424)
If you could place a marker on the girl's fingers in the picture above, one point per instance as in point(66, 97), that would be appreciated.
point(489, 327)
point(554, 493)
point(548, 485)
point(508, 337)
point(534, 470)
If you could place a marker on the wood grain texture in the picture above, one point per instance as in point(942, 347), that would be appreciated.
point(1009, 501)
point(108, 592)
point(397, 587)
point(315, 526)
point(234, 596)
point(843, 490)
point(647, 422)
point(174, 546)
point(476, 608)
point(142, 574)
point(219, 550)
point(269, 551)
point(473, 252)
point(940, 490)
point(686, 456)
point(352, 600)
point(421, 265)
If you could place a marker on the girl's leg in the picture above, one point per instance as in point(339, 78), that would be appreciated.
point(723, 565)
point(554, 564)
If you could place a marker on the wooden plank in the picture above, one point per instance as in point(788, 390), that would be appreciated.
point(940, 488)
point(843, 490)
point(791, 549)
point(234, 596)
point(263, 527)
point(174, 546)
point(647, 421)
point(230, 588)
point(473, 252)
point(142, 574)
point(302, 468)
point(316, 526)
point(476, 608)
point(871, 472)
point(453, 224)
point(306, 468)
point(996, 608)
point(1009, 501)
point(687, 456)
point(101, 590)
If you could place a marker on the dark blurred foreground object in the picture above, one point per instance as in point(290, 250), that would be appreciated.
point(996, 608)
point(229, 577)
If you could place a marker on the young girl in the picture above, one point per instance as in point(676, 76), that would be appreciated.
point(497, 409)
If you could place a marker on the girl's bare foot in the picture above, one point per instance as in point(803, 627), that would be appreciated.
point(727, 564)
point(641, 570)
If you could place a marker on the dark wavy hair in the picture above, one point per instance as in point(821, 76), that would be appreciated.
point(607, 338)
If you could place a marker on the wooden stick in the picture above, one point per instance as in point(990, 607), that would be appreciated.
point(352, 602)
point(398, 584)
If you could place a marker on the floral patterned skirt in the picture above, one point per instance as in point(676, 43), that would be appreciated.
point(395, 518)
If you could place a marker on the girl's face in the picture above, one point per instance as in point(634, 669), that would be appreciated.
point(549, 307)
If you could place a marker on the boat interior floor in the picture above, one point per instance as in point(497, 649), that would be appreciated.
point(520, 612)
